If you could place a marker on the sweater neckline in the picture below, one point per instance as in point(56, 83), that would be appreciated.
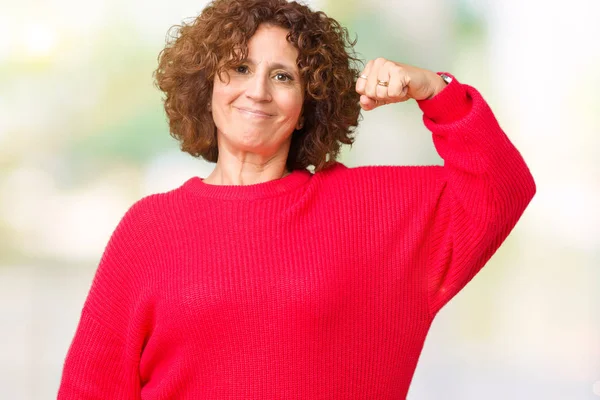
point(276, 187)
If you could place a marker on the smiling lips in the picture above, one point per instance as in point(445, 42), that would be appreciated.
point(253, 113)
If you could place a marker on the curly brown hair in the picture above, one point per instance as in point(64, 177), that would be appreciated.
point(216, 41)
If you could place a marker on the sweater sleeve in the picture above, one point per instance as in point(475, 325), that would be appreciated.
point(97, 365)
point(103, 359)
point(484, 187)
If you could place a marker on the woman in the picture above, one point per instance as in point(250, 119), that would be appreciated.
point(266, 281)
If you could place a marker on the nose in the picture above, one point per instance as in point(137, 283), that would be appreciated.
point(258, 88)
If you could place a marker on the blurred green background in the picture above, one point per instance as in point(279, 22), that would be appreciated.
point(83, 136)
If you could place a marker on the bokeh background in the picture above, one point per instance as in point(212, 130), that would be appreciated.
point(83, 136)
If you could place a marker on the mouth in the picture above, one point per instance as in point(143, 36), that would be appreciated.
point(253, 113)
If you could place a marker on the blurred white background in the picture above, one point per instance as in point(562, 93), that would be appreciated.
point(83, 136)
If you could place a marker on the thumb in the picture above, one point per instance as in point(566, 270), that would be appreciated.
point(367, 103)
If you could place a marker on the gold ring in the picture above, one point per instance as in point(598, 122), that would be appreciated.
point(383, 83)
point(364, 76)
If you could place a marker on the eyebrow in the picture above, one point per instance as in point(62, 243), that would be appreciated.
point(277, 65)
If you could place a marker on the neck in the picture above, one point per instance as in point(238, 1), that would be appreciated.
point(232, 170)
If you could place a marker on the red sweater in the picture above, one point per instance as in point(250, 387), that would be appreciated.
point(313, 286)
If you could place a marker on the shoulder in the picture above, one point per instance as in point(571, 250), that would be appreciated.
point(379, 176)
point(147, 215)
point(381, 185)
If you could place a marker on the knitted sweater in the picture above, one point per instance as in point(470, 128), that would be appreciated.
point(313, 286)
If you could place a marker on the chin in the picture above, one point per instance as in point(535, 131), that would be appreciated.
point(252, 144)
point(252, 140)
point(255, 141)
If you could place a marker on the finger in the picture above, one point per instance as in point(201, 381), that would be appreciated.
point(383, 81)
point(361, 82)
point(398, 87)
point(397, 91)
point(371, 87)
point(367, 103)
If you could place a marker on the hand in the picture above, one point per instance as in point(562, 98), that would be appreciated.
point(385, 82)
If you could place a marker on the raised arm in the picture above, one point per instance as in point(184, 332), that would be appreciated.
point(486, 188)
point(484, 185)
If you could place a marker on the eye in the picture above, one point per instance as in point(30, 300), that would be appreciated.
point(281, 77)
point(241, 69)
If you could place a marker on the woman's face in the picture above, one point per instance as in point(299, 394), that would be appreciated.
point(259, 107)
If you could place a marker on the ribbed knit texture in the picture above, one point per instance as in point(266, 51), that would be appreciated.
point(316, 286)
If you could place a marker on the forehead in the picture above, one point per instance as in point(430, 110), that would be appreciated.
point(270, 43)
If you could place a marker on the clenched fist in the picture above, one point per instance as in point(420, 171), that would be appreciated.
point(385, 82)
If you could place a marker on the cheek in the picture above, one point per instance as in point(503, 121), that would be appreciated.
point(224, 93)
point(293, 105)
point(220, 94)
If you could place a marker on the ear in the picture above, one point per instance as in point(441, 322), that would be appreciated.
point(300, 123)
point(209, 107)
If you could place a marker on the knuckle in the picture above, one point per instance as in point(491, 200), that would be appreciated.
point(390, 64)
point(396, 68)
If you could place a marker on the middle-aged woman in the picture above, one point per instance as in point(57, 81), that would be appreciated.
point(264, 280)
